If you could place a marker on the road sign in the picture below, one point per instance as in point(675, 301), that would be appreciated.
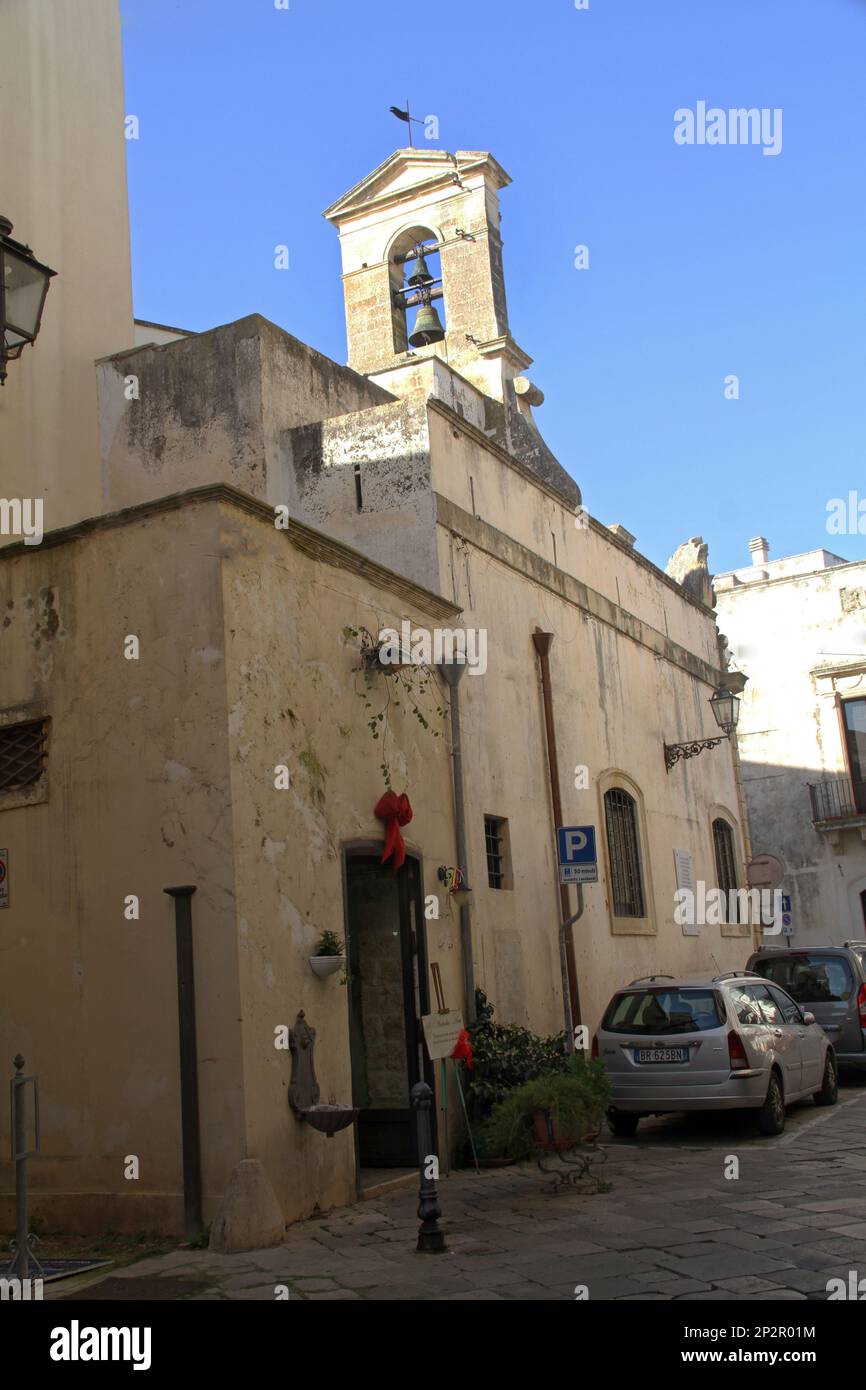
point(4, 878)
point(787, 916)
point(578, 862)
point(766, 871)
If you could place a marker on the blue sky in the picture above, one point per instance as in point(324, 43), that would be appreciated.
point(704, 261)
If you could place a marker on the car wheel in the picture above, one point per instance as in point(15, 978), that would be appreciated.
point(771, 1116)
point(829, 1092)
point(624, 1126)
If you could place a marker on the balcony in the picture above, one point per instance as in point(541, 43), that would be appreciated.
point(838, 804)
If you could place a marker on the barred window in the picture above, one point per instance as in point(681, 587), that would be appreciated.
point(623, 847)
point(497, 847)
point(726, 867)
point(22, 754)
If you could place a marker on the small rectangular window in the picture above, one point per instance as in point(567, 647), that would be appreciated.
point(498, 848)
point(22, 754)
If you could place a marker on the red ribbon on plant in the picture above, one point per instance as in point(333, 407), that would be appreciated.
point(395, 811)
point(463, 1051)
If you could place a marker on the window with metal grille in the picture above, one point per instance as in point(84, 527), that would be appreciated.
point(726, 867)
point(496, 845)
point(22, 754)
point(623, 848)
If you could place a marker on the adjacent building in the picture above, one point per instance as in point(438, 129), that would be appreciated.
point(796, 627)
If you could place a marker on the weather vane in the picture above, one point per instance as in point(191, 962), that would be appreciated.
point(407, 117)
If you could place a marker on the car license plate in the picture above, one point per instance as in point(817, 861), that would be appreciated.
point(661, 1054)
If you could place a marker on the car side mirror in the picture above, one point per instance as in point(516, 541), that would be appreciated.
point(808, 1018)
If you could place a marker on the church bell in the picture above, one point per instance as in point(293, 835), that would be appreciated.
point(420, 274)
point(428, 328)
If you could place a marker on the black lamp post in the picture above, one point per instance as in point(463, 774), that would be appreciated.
point(726, 711)
point(23, 287)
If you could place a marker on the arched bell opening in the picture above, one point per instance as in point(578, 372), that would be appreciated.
point(417, 295)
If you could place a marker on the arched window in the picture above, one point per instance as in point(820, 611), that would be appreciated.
point(623, 846)
point(726, 866)
point(416, 288)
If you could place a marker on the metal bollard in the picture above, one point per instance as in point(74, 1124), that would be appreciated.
point(431, 1240)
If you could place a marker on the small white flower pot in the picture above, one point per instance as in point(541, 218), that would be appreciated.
point(323, 966)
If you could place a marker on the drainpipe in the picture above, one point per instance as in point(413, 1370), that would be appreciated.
point(189, 1118)
point(452, 673)
point(570, 991)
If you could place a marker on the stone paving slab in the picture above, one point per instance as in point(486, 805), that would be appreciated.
point(672, 1227)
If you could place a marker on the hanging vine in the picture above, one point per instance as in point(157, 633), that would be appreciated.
point(412, 687)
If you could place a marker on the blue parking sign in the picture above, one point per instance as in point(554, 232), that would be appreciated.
point(578, 861)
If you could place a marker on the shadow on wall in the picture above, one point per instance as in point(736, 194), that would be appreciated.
point(810, 820)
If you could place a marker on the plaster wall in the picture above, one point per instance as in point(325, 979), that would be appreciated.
point(615, 702)
point(798, 639)
point(297, 698)
point(63, 186)
point(136, 800)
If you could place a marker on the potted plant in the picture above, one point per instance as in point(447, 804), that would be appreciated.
point(552, 1111)
point(329, 955)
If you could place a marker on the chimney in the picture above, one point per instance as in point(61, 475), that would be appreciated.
point(760, 549)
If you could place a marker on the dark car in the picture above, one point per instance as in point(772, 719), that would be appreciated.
point(829, 981)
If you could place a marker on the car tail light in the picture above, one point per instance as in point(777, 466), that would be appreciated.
point(737, 1052)
point(595, 1042)
point(861, 1005)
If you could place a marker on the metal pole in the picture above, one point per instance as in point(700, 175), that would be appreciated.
point(21, 1263)
point(189, 1119)
point(571, 992)
point(431, 1241)
point(452, 674)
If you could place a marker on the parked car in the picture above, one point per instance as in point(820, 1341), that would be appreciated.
point(831, 982)
point(714, 1042)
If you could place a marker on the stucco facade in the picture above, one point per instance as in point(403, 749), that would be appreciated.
point(161, 771)
point(242, 518)
point(795, 626)
point(63, 186)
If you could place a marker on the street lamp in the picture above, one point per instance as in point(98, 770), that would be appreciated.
point(726, 711)
point(23, 287)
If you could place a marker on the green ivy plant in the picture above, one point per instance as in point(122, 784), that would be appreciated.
point(412, 687)
point(506, 1056)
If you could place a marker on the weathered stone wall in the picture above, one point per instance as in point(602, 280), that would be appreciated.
point(161, 771)
point(137, 799)
point(215, 407)
point(383, 454)
point(296, 697)
point(797, 639)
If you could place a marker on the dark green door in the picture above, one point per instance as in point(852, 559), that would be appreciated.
point(387, 996)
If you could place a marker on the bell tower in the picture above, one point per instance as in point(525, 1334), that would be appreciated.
point(422, 268)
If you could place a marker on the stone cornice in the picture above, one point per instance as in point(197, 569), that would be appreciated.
point(305, 538)
point(534, 567)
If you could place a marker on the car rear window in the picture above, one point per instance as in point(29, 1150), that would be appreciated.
point(808, 976)
point(661, 1011)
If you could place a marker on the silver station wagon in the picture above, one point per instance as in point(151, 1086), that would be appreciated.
point(714, 1042)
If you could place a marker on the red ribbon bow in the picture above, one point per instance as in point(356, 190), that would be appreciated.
point(396, 811)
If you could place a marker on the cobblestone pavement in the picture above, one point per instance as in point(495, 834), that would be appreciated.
point(672, 1227)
